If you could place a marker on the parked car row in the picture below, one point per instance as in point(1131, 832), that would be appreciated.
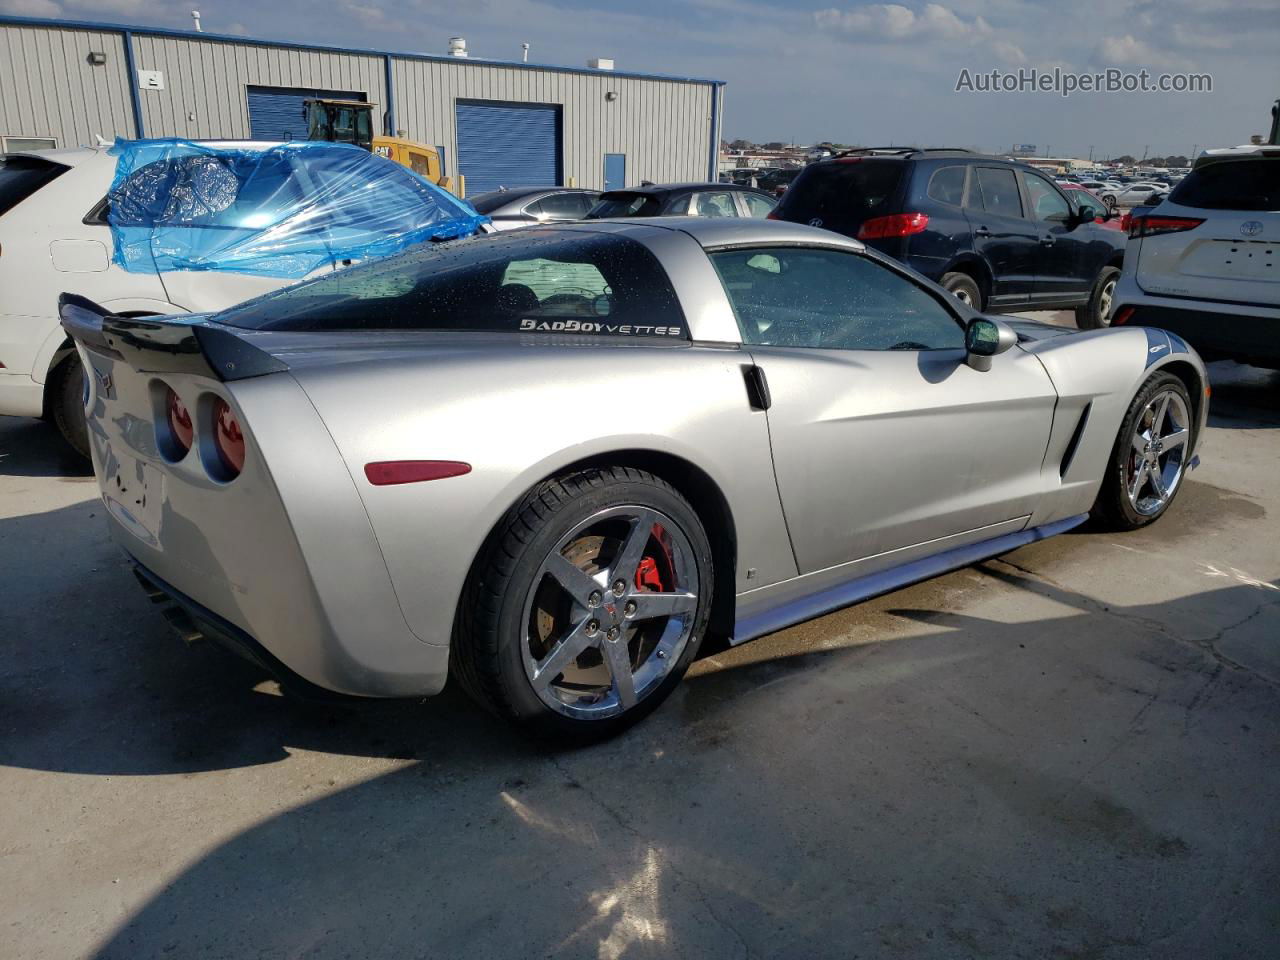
point(999, 235)
point(510, 208)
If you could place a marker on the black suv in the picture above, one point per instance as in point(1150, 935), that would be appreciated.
point(999, 235)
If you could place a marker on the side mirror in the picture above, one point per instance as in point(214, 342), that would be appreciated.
point(984, 338)
point(1088, 213)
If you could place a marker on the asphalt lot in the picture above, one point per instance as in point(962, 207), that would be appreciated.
point(1072, 751)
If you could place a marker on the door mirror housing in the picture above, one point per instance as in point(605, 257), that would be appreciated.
point(984, 338)
point(1088, 213)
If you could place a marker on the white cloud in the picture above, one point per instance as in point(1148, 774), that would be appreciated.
point(895, 23)
point(31, 8)
point(1125, 50)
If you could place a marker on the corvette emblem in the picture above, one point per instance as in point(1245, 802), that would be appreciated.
point(1251, 228)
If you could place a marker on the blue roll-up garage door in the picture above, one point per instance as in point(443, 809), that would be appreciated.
point(275, 113)
point(508, 145)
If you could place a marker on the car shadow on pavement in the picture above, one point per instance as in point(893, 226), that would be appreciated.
point(33, 448)
point(980, 789)
point(1244, 397)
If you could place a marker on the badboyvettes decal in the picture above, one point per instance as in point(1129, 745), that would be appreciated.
point(590, 326)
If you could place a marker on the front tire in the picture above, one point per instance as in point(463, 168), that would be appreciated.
point(1150, 457)
point(1096, 314)
point(66, 403)
point(587, 606)
point(964, 288)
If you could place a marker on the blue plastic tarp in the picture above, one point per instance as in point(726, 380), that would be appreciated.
point(279, 211)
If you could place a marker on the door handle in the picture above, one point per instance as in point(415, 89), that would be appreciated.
point(982, 232)
point(1047, 241)
point(758, 395)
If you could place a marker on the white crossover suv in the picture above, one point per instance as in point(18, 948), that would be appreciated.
point(199, 227)
point(1205, 263)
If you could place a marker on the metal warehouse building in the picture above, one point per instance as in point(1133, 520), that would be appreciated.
point(496, 122)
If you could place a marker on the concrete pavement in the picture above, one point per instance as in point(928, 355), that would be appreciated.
point(1067, 752)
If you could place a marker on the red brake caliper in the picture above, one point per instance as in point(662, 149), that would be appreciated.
point(649, 576)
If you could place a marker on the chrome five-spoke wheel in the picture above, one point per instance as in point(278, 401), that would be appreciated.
point(1158, 454)
point(609, 612)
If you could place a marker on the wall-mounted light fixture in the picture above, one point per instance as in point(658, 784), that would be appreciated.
point(96, 57)
point(611, 96)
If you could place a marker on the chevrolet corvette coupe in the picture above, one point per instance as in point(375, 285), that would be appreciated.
point(551, 462)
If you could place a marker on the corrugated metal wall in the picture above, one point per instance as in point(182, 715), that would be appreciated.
point(208, 78)
point(663, 126)
point(48, 88)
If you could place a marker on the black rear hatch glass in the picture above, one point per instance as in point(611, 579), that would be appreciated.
point(1249, 183)
point(843, 193)
point(21, 176)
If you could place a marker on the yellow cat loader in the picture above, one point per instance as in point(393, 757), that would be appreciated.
point(351, 121)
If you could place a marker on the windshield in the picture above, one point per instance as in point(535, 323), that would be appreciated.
point(20, 177)
point(1250, 183)
point(535, 281)
point(842, 193)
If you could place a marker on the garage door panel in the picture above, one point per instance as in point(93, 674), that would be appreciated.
point(508, 144)
point(275, 113)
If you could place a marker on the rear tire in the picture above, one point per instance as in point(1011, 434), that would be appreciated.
point(964, 288)
point(582, 649)
point(66, 403)
point(1096, 314)
point(1149, 460)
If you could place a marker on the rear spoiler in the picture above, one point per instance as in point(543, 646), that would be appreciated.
point(164, 346)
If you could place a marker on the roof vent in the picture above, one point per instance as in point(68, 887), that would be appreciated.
point(457, 46)
point(600, 63)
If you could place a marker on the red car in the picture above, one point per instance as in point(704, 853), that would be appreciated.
point(1077, 193)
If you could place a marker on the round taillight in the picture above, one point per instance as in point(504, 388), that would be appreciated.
point(228, 440)
point(181, 430)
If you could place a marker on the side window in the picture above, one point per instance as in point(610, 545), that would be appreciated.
point(712, 203)
point(947, 185)
point(1046, 202)
point(832, 300)
point(419, 164)
point(997, 192)
point(203, 191)
point(759, 206)
point(560, 206)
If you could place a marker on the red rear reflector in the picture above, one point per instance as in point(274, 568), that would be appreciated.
point(771, 215)
point(1150, 226)
point(181, 429)
point(1122, 316)
point(228, 439)
point(897, 225)
point(383, 473)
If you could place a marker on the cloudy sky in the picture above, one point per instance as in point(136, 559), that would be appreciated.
point(834, 69)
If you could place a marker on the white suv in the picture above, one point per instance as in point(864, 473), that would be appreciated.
point(1205, 263)
point(55, 238)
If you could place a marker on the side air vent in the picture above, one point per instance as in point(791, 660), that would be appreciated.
point(1075, 440)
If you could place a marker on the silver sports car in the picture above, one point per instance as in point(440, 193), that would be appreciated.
point(551, 462)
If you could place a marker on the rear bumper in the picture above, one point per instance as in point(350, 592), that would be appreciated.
point(192, 621)
point(20, 396)
point(1216, 330)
